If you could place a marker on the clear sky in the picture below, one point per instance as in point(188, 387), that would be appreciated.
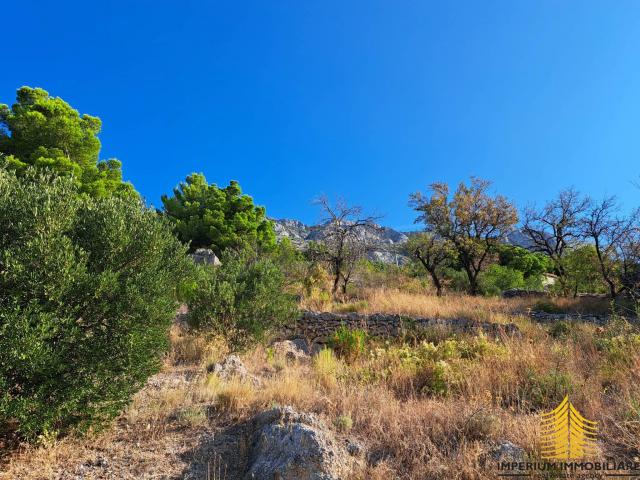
point(369, 100)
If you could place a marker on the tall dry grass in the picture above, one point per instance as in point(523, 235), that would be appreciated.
point(425, 411)
point(402, 302)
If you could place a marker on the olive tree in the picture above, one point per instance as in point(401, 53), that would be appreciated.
point(86, 302)
point(433, 253)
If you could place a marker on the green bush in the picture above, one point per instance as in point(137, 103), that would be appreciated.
point(529, 263)
point(546, 389)
point(347, 343)
point(456, 280)
point(497, 278)
point(241, 299)
point(86, 301)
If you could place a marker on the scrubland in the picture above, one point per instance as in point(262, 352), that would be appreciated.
point(429, 407)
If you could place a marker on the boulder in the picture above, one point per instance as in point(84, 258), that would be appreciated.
point(295, 446)
point(293, 350)
point(507, 452)
point(280, 443)
point(205, 256)
point(232, 367)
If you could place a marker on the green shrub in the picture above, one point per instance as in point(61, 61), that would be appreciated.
point(344, 423)
point(347, 343)
point(86, 301)
point(456, 280)
point(546, 389)
point(620, 350)
point(241, 299)
point(497, 278)
point(439, 381)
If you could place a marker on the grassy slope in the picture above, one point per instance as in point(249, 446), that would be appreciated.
point(422, 411)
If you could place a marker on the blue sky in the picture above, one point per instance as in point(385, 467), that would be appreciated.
point(369, 100)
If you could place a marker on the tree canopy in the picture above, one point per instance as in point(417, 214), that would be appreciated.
point(523, 260)
point(471, 219)
point(46, 132)
point(207, 216)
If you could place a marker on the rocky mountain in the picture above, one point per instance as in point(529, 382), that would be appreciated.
point(519, 239)
point(387, 240)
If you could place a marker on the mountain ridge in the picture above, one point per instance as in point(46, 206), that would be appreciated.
point(386, 239)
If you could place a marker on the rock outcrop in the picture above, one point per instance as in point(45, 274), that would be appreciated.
point(295, 446)
point(385, 240)
point(507, 452)
point(293, 350)
point(282, 444)
point(205, 256)
point(232, 367)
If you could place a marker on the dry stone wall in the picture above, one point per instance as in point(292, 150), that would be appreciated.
point(545, 317)
point(317, 327)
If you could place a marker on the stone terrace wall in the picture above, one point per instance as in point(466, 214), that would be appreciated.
point(544, 317)
point(317, 327)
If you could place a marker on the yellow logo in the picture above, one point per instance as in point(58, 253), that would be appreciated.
point(566, 434)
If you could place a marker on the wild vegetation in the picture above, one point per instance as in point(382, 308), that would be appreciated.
point(97, 381)
point(87, 294)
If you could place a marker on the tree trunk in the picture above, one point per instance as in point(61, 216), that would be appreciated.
point(437, 283)
point(473, 286)
point(336, 283)
point(432, 271)
point(473, 280)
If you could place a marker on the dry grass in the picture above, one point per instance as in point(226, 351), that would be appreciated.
point(495, 309)
point(429, 411)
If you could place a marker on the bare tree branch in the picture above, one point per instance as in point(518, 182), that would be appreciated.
point(346, 239)
point(556, 227)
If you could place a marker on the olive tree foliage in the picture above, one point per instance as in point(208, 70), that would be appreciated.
point(433, 253)
point(86, 301)
point(613, 237)
point(472, 220)
point(46, 132)
point(556, 228)
point(243, 298)
point(346, 239)
point(207, 216)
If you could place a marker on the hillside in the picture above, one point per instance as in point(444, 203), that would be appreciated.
point(388, 242)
